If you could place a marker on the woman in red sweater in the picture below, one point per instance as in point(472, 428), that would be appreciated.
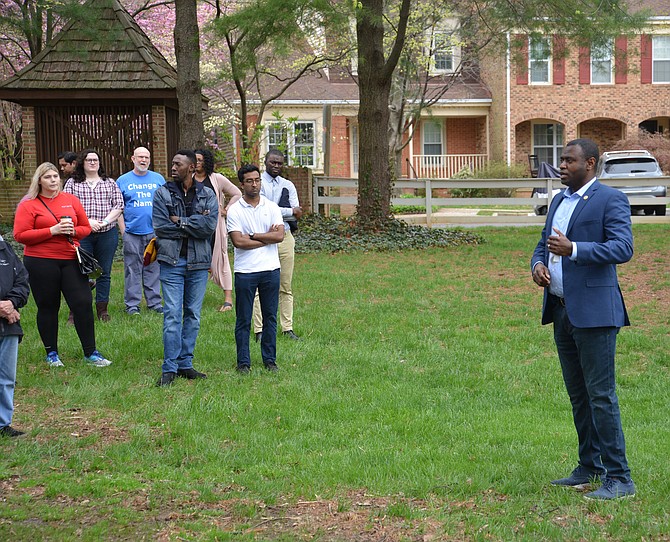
point(48, 222)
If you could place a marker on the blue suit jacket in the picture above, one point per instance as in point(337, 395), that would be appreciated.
point(601, 227)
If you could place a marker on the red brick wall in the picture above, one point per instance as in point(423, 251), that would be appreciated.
point(160, 160)
point(302, 179)
point(340, 156)
point(461, 136)
point(605, 132)
point(523, 136)
point(29, 141)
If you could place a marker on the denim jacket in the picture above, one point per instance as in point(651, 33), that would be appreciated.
point(198, 227)
point(13, 286)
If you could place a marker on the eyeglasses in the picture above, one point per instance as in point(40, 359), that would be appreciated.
point(92, 160)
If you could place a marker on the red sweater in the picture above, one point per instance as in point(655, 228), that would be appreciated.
point(33, 222)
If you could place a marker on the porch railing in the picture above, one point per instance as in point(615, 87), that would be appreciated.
point(445, 166)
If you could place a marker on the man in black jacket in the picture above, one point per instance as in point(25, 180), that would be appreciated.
point(14, 291)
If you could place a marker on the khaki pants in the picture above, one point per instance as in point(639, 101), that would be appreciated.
point(286, 260)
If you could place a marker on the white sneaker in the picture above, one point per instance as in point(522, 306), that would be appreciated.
point(97, 360)
point(53, 360)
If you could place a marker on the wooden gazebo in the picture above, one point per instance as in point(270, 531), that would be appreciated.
point(99, 84)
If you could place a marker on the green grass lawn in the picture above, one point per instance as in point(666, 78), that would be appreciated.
point(425, 402)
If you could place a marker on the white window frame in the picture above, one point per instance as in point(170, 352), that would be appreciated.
point(533, 62)
point(555, 146)
point(353, 143)
point(292, 135)
point(297, 158)
point(432, 162)
point(447, 50)
point(660, 57)
point(602, 64)
point(274, 128)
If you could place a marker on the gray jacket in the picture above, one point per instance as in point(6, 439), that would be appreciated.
point(198, 227)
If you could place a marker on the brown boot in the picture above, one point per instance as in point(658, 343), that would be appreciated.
point(101, 309)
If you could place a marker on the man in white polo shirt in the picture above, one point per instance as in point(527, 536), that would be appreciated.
point(256, 226)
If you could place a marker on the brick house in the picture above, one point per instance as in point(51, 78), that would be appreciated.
point(504, 109)
point(606, 95)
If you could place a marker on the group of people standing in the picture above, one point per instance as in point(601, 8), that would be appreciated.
point(187, 218)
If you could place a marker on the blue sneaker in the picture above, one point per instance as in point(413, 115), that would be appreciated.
point(612, 488)
point(53, 360)
point(97, 360)
point(580, 478)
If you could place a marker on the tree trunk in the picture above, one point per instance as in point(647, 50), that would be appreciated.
point(397, 125)
point(187, 51)
point(374, 179)
point(375, 76)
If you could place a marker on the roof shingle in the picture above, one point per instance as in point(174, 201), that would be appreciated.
point(106, 51)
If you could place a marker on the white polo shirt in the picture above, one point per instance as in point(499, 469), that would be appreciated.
point(248, 219)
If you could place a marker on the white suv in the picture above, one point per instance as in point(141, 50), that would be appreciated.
point(635, 164)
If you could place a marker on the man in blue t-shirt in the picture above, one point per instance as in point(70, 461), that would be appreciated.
point(138, 187)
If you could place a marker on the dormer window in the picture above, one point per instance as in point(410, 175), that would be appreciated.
point(443, 52)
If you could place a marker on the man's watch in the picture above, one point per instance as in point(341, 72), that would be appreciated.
point(251, 235)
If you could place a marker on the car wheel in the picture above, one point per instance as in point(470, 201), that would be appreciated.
point(541, 211)
point(660, 211)
point(648, 211)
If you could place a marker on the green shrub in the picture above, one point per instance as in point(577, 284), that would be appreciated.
point(494, 170)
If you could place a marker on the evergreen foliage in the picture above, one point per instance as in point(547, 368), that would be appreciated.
point(335, 234)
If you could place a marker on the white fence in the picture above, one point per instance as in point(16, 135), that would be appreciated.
point(327, 191)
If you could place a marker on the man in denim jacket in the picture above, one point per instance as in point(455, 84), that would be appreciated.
point(185, 215)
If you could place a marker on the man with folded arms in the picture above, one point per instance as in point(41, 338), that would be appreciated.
point(256, 228)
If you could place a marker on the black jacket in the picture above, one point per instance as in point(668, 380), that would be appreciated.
point(13, 286)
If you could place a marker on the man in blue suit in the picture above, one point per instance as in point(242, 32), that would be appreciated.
point(587, 233)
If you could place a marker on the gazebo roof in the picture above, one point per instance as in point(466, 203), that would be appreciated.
point(102, 51)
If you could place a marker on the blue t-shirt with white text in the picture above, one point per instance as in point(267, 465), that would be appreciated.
point(138, 196)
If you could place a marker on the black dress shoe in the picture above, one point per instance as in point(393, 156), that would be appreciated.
point(9, 431)
point(166, 379)
point(290, 335)
point(258, 335)
point(272, 367)
point(243, 369)
point(191, 374)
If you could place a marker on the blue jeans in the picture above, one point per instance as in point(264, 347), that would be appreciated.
point(183, 293)
point(9, 349)
point(587, 363)
point(103, 247)
point(246, 284)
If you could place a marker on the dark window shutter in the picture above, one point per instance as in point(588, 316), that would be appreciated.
point(645, 59)
point(584, 65)
point(621, 60)
point(521, 41)
point(559, 60)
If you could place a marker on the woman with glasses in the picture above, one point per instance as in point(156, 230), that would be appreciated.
point(224, 190)
point(49, 223)
point(103, 202)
